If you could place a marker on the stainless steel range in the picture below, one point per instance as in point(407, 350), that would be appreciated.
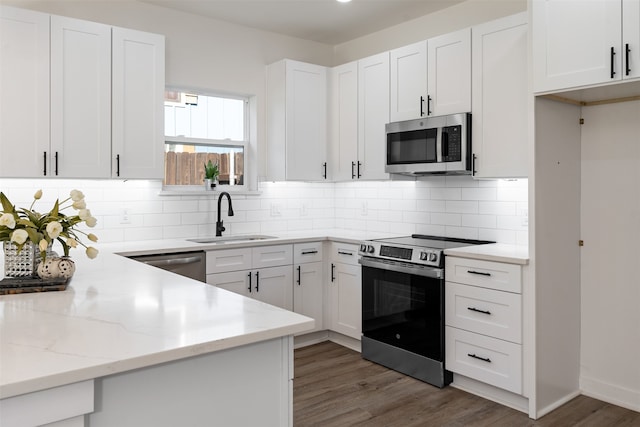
point(403, 304)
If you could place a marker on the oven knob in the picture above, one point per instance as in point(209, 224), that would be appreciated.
point(423, 256)
point(363, 248)
point(370, 249)
point(433, 257)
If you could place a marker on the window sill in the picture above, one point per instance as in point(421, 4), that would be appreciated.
point(214, 193)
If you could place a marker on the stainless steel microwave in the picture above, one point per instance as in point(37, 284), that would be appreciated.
point(431, 145)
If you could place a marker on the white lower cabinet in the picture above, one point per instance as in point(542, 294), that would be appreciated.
point(483, 318)
point(345, 291)
point(262, 273)
point(308, 286)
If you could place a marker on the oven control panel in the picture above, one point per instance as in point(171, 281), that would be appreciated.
point(415, 255)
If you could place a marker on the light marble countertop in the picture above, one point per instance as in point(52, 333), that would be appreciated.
point(500, 252)
point(118, 314)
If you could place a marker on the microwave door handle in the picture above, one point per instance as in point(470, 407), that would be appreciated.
point(445, 144)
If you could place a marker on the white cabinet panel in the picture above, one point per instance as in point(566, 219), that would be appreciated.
point(408, 76)
point(308, 292)
point(500, 98)
point(138, 104)
point(345, 291)
point(271, 256)
point(373, 115)
point(273, 286)
point(343, 142)
point(571, 52)
point(24, 92)
point(487, 274)
point(229, 260)
point(449, 73)
point(80, 98)
point(307, 252)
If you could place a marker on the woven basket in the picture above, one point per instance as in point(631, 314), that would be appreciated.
point(23, 263)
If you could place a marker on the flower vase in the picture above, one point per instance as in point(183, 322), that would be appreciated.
point(23, 263)
point(210, 184)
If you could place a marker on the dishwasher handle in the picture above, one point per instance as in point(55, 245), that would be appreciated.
point(174, 261)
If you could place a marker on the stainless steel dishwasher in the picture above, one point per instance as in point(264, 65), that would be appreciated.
point(188, 264)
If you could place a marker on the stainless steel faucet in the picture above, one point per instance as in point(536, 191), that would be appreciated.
point(219, 223)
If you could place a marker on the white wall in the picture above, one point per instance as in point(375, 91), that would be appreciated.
point(454, 18)
point(610, 228)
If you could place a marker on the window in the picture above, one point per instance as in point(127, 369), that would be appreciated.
point(199, 128)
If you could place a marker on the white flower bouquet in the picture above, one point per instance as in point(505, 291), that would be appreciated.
point(19, 225)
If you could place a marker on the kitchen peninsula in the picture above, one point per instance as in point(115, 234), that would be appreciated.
point(130, 344)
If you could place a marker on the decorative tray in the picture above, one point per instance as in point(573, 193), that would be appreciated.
point(22, 285)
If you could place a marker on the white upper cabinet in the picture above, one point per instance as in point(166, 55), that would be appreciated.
point(408, 73)
point(578, 43)
point(431, 78)
point(449, 73)
point(343, 121)
point(80, 98)
point(500, 81)
point(296, 121)
point(24, 92)
point(373, 115)
point(137, 104)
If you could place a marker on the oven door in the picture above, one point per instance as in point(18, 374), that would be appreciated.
point(403, 306)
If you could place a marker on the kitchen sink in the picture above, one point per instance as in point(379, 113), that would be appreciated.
point(229, 239)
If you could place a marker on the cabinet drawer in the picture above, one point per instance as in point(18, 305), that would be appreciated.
point(344, 253)
point(228, 260)
point(485, 359)
point(307, 252)
point(485, 311)
point(272, 256)
point(488, 274)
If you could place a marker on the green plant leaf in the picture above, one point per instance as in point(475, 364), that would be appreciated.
point(7, 207)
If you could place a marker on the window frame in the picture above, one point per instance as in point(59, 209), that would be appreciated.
point(245, 144)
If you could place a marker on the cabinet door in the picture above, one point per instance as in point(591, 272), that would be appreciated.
point(308, 294)
point(500, 106)
point(138, 104)
point(343, 143)
point(306, 121)
point(408, 77)
point(569, 51)
point(373, 115)
point(273, 286)
point(80, 98)
point(449, 73)
point(234, 281)
point(345, 297)
point(24, 92)
point(631, 38)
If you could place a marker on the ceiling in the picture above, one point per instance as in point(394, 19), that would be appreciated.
point(323, 21)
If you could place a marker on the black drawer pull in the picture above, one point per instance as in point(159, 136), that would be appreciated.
point(345, 253)
point(309, 252)
point(481, 273)
point(299, 274)
point(249, 281)
point(333, 269)
point(477, 310)
point(484, 359)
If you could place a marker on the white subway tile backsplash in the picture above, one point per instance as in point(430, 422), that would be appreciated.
point(438, 205)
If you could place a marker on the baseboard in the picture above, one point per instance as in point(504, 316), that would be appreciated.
point(610, 393)
point(558, 403)
point(489, 392)
point(312, 338)
point(345, 341)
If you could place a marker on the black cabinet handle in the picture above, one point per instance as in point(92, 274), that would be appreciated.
point(299, 274)
point(359, 164)
point(484, 359)
point(257, 281)
point(56, 169)
point(481, 273)
point(333, 269)
point(345, 253)
point(421, 106)
point(324, 165)
point(309, 252)
point(428, 105)
point(477, 310)
point(45, 163)
point(626, 55)
point(613, 54)
point(117, 164)
point(353, 166)
point(249, 281)
point(473, 165)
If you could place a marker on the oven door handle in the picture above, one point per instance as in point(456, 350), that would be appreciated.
point(435, 273)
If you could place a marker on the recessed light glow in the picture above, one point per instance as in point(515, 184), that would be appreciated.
point(344, 1)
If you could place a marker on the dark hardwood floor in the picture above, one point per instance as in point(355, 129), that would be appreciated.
point(334, 386)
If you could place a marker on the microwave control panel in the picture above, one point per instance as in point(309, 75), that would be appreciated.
point(452, 143)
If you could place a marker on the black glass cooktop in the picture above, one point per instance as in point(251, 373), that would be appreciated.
point(435, 242)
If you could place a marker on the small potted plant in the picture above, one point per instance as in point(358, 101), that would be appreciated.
point(211, 173)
